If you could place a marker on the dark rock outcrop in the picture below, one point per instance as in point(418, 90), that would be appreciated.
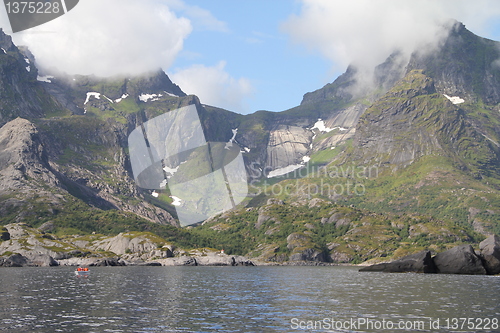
point(15, 260)
point(109, 262)
point(4, 234)
point(308, 254)
point(420, 262)
point(241, 261)
point(459, 260)
point(490, 253)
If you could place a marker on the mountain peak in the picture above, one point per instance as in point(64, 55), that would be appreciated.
point(465, 65)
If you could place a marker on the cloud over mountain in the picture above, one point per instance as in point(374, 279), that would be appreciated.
point(366, 32)
point(108, 38)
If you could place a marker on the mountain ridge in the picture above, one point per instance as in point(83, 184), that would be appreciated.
point(430, 129)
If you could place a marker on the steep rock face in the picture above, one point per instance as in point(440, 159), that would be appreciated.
point(21, 95)
point(465, 65)
point(387, 131)
point(414, 120)
point(287, 145)
point(23, 156)
point(42, 167)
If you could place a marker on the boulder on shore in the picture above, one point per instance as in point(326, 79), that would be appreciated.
point(459, 260)
point(15, 260)
point(42, 260)
point(490, 253)
point(420, 262)
point(109, 262)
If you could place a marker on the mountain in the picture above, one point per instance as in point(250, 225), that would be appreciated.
point(420, 147)
point(20, 93)
point(361, 169)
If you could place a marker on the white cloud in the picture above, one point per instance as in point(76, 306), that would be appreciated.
point(366, 32)
point(201, 18)
point(109, 37)
point(214, 86)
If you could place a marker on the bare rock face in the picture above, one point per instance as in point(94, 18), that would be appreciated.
point(308, 254)
point(490, 252)
point(21, 95)
point(287, 145)
point(215, 260)
point(302, 248)
point(22, 156)
point(459, 260)
point(420, 262)
point(15, 260)
point(115, 261)
point(42, 260)
point(297, 239)
point(132, 247)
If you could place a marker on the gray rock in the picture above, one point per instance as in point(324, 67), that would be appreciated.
point(297, 239)
point(214, 260)
point(261, 219)
point(308, 254)
point(15, 260)
point(287, 145)
point(242, 261)
point(274, 201)
point(47, 227)
point(222, 260)
point(420, 262)
point(42, 260)
point(459, 260)
point(109, 262)
point(490, 253)
point(151, 263)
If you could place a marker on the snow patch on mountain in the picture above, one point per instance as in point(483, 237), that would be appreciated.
point(92, 94)
point(454, 99)
point(177, 201)
point(230, 142)
point(284, 171)
point(320, 126)
point(146, 97)
point(171, 171)
point(118, 100)
point(170, 94)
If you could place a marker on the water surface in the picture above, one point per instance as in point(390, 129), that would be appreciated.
point(240, 299)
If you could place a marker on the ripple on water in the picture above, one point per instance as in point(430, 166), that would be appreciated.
point(229, 299)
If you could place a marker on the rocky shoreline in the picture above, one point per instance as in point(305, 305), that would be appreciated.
point(461, 259)
point(22, 246)
point(44, 260)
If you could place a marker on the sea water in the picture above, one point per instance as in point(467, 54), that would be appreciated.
point(245, 299)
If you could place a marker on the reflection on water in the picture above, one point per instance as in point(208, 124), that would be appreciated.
point(232, 299)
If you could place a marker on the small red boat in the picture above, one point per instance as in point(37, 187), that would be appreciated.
point(82, 271)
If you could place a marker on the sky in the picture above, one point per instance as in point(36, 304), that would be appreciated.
point(246, 55)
